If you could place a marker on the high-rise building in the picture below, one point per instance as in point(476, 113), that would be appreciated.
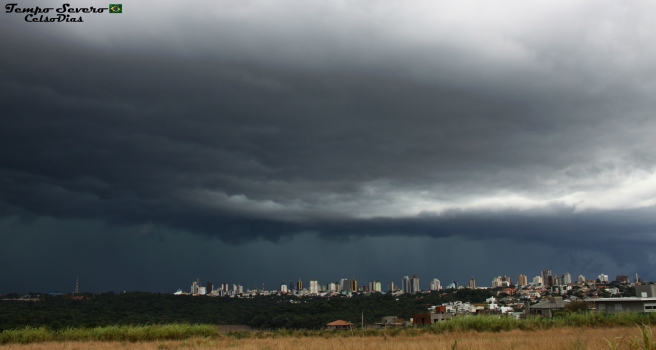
point(415, 285)
point(506, 281)
point(434, 284)
point(354, 286)
point(557, 281)
point(545, 277)
point(472, 283)
point(283, 288)
point(391, 287)
point(299, 284)
point(201, 290)
point(405, 284)
point(378, 287)
point(209, 288)
point(314, 286)
point(496, 282)
point(291, 286)
point(374, 286)
point(581, 278)
point(567, 278)
point(537, 280)
point(344, 285)
point(522, 280)
point(603, 278)
point(410, 285)
point(550, 281)
point(194, 287)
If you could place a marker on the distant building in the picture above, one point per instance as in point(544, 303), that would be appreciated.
point(546, 278)
point(472, 283)
point(434, 285)
point(603, 278)
point(283, 288)
point(522, 280)
point(194, 287)
point(567, 278)
point(209, 289)
point(354, 285)
point(501, 281)
point(415, 284)
point(391, 287)
point(537, 280)
point(344, 285)
point(405, 284)
point(299, 284)
point(580, 279)
point(314, 286)
point(557, 281)
point(622, 279)
point(374, 286)
point(410, 285)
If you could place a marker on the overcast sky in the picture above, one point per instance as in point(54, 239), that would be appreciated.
point(263, 141)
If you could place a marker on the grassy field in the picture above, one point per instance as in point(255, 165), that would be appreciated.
point(489, 327)
point(560, 338)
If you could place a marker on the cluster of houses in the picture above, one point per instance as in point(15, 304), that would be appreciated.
point(644, 301)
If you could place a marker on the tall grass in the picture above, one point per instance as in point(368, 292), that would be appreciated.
point(484, 323)
point(111, 333)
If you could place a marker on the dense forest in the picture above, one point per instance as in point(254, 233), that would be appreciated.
point(263, 312)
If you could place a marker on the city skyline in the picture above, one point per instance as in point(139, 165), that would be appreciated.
point(406, 284)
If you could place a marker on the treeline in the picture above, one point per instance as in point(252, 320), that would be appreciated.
point(262, 312)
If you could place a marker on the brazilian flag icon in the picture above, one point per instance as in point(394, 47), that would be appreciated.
point(115, 8)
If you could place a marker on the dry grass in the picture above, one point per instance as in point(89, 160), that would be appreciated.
point(552, 339)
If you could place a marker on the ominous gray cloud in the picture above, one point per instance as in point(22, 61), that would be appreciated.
point(250, 120)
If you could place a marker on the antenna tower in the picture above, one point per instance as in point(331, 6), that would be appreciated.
point(77, 285)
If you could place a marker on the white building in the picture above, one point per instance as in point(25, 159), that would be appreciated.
point(314, 286)
point(603, 278)
point(581, 278)
point(434, 285)
point(283, 288)
point(537, 280)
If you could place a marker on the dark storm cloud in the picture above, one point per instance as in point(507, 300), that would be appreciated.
point(538, 136)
